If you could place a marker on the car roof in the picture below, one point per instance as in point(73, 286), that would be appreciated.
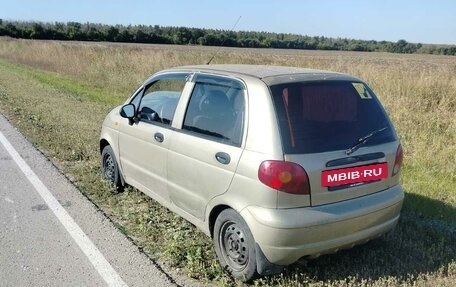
point(269, 74)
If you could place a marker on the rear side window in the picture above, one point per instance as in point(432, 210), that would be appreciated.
point(326, 116)
point(216, 110)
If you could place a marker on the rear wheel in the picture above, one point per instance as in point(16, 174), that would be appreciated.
point(110, 169)
point(234, 245)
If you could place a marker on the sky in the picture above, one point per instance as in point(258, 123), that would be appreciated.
point(416, 21)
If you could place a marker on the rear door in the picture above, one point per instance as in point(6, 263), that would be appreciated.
point(205, 152)
point(319, 122)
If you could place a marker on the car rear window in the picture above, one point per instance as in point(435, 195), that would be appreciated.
point(326, 116)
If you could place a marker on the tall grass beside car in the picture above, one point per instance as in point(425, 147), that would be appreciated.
point(58, 93)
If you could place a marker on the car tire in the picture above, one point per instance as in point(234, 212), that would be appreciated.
point(235, 246)
point(110, 169)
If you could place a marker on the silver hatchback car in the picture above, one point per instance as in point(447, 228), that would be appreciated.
point(274, 163)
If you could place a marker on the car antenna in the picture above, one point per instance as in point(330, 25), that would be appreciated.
point(221, 45)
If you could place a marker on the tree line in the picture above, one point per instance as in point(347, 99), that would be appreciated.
point(74, 31)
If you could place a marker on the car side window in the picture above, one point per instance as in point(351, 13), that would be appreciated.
point(216, 110)
point(160, 98)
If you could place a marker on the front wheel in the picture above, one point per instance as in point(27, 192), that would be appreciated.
point(234, 245)
point(110, 169)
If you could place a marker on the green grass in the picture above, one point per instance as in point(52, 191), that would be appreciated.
point(60, 110)
point(80, 91)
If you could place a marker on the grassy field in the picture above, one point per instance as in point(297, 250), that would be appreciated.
point(57, 94)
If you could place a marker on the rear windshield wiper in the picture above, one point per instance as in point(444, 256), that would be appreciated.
point(362, 140)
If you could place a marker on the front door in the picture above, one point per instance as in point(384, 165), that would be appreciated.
point(143, 145)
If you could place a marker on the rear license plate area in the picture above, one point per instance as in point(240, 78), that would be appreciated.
point(353, 176)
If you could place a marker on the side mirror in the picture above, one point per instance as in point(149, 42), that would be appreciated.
point(128, 111)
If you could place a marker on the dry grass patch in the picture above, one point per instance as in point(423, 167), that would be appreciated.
point(58, 93)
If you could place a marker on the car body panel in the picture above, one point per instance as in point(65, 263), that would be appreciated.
point(109, 130)
point(245, 189)
point(205, 177)
point(285, 235)
point(263, 133)
point(143, 159)
point(315, 163)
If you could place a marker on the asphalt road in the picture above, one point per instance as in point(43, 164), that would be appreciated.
point(51, 235)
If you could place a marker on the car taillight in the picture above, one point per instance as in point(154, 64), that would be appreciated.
point(398, 160)
point(284, 176)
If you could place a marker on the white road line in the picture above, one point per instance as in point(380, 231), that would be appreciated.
point(90, 250)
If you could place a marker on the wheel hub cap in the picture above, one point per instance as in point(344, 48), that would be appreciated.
point(234, 246)
point(109, 168)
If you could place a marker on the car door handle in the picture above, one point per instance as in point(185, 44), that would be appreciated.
point(223, 157)
point(159, 137)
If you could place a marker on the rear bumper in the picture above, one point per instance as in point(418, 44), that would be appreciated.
point(286, 235)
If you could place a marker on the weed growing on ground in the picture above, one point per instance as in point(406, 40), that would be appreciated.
point(58, 93)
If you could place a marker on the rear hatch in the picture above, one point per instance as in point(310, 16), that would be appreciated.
point(340, 134)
